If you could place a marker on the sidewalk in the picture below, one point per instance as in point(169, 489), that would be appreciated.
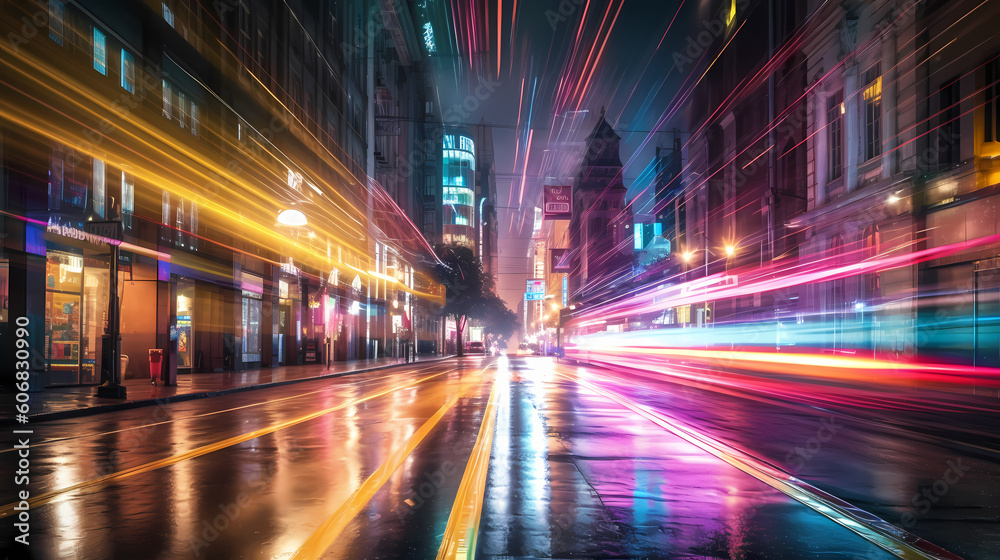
point(70, 402)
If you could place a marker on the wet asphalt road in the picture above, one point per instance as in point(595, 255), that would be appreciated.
point(380, 465)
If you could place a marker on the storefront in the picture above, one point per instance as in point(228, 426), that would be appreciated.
point(289, 317)
point(76, 306)
point(252, 287)
point(185, 325)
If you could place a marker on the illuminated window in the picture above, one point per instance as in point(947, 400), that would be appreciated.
point(657, 229)
point(165, 209)
point(453, 195)
point(449, 142)
point(192, 240)
point(168, 16)
point(835, 134)
point(99, 187)
point(56, 11)
point(637, 237)
point(429, 38)
point(872, 95)
point(179, 222)
point(194, 119)
point(128, 199)
point(128, 72)
point(100, 52)
point(168, 95)
point(182, 109)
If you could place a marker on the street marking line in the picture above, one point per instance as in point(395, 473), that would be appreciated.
point(871, 528)
point(325, 534)
point(43, 443)
point(54, 495)
point(462, 531)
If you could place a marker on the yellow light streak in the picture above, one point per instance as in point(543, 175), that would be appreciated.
point(462, 532)
point(213, 413)
point(327, 533)
point(245, 203)
point(55, 495)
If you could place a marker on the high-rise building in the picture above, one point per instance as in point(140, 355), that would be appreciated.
point(458, 200)
point(231, 143)
point(486, 197)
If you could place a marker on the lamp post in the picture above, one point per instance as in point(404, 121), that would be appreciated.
point(111, 367)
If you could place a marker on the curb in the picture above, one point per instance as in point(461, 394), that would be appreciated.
point(100, 409)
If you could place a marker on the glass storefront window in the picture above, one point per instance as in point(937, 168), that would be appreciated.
point(252, 308)
point(185, 316)
point(63, 285)
point(95, 313)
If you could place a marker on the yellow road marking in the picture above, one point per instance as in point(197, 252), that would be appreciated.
point(889, 538)
point(112, 432)
point(49, 497)
point(462, 532)
point(328, 532)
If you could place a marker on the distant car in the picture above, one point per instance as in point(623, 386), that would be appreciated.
point(525, 349)
point(475, 348)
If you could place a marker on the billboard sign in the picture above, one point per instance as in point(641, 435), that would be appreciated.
point(535, 290)
point(558, 202)
point(559, 260)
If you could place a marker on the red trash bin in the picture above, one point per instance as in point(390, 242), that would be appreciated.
point(155, 365)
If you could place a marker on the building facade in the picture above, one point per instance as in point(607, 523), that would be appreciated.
point(231, 144)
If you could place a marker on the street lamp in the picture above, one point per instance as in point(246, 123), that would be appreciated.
point(292, 218)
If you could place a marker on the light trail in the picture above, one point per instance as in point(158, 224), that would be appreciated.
point(62, 493)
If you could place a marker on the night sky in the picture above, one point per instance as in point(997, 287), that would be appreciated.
point(633, 80)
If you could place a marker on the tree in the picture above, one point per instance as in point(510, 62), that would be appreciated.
point(470, 293)
point(500, 321)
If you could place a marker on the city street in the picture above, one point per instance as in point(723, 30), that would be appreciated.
point(520, 457)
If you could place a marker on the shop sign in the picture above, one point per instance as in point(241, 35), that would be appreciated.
point(110, 230)
point(557, 202)
point(124, 262)
point(558, 261)
point(290, 268)
point(66, 229)
point(534, 290)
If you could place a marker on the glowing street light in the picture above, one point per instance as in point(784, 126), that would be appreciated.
point(292, 218)
point(688, 256)
point(730, 250)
